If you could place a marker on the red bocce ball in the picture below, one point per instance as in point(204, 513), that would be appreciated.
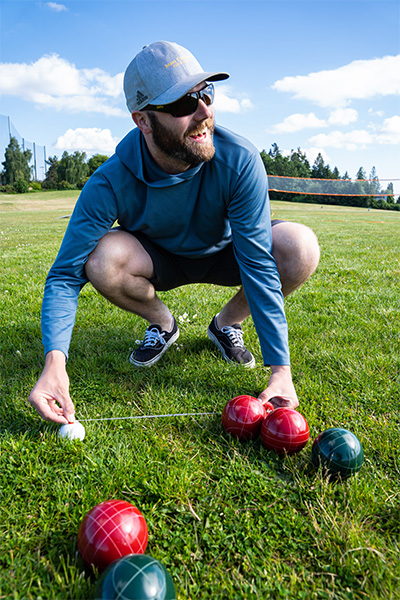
point(110, 530)
point(285, 430)
point(242, 417)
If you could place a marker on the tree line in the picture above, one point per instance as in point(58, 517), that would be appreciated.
point(72, 171)
point(296, 164)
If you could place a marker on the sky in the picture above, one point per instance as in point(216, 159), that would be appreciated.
point(320, 75)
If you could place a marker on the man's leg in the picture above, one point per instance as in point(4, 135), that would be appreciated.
point(296, 253)
point(120, 268)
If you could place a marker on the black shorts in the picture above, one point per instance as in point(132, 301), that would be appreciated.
point(173, 270)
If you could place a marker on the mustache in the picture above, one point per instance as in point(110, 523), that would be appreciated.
point(208, 123)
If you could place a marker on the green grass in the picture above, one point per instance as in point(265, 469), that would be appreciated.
point(229, 520)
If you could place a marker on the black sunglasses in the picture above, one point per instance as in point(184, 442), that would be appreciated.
point(187, 105)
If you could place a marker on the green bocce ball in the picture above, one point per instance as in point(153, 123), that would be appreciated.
point(338, 451)
point(135, 577)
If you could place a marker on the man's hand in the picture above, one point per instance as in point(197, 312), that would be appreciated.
point(280, 390)
point(50, 396)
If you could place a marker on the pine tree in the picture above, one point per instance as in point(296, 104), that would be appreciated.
point(16, 164)
point(320, 170)
point(298, 160)
point(51, 180)
point(361, 174)
point(374, 181)
point(363, 188)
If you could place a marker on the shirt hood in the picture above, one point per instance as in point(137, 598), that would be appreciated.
point(132, 151)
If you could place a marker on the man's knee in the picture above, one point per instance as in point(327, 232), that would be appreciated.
point(293, 241)
point(106, 257)
point(296, 252)
point(117, 253)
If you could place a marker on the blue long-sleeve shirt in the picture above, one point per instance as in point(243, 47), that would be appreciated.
point(194, 213)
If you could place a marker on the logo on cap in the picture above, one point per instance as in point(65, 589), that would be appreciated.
point(140, 97)
point(179, 60)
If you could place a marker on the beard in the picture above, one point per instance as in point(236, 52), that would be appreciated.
point(183, 150)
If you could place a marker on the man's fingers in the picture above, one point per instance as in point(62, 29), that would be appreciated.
point(50, 410)
point(264, 396)
point(278, 401)
point(68, 410)
point(281, 401)
point(48, 413)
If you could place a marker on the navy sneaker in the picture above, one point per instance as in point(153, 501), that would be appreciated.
point(230, 341)
point(155, 343)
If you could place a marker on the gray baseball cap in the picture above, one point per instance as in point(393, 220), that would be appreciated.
point(162, 73)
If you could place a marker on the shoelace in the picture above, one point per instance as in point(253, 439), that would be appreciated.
point(151, 337)
point(235, 335)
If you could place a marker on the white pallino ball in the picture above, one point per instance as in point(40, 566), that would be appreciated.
point(72, 431)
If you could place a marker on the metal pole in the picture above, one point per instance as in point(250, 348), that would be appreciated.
point(44, 154)
point(9, 128)
point(34, 159)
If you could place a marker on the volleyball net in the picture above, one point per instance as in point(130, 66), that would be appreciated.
point(331, 187)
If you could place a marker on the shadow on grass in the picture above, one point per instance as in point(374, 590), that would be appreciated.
point(191, 377)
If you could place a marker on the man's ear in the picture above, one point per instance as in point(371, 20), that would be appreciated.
point(142, 121)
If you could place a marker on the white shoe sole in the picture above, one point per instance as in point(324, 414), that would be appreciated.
point(214, 339)
point(151, 362)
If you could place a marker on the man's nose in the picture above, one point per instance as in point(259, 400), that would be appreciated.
point(203, 111)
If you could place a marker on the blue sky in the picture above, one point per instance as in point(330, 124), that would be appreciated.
point(321, 75)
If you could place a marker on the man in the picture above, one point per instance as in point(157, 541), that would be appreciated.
point(191, 202)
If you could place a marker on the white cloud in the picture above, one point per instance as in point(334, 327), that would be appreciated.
point(377, 113)
point(224, 102)
point(91, 140)
point(246, 104)
point(343, 116)
point(352, 140)
point(312, 153)
point(390, 131)
point(359, 79)
point(357, 139)
point(53, 6)
point(53, 82)
point(297, 122)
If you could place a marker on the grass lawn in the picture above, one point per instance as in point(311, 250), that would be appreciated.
point(229, 520)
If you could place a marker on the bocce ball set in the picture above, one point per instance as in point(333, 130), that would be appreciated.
point(286, 431)
point(113, 535)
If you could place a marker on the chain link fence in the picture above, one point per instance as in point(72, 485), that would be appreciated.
point(38, 160)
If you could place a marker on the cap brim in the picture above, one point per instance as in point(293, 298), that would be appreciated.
point(183, 87)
